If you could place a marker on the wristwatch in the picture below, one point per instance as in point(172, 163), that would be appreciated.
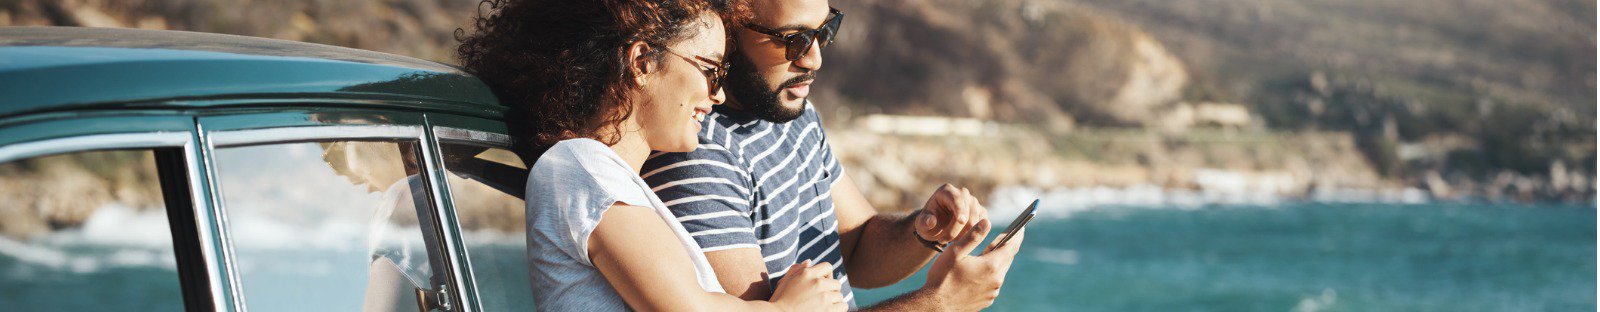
point(936, 246)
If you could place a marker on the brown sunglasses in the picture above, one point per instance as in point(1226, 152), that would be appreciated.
point(714, 73)
point(798, 43)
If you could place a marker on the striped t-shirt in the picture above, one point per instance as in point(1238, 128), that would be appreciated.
point(756, 184)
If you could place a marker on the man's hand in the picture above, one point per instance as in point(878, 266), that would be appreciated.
point(948, 214)
point(963, 282)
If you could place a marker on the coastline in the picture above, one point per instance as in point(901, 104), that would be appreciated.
point(896, 166)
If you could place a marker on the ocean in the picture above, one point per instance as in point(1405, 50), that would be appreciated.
point(1285, 257)
point(1303, 257)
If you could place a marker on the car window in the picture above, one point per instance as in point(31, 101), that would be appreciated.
point(336, 226)
point(86, 231)
point(486, 185)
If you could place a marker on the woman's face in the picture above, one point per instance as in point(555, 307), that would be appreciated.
point(674, 99)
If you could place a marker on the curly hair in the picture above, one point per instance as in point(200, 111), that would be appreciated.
point(561, 65)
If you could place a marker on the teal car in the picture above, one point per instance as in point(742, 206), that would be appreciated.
point(161, 170)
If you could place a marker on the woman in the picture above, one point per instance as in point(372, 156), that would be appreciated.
point(601, 85)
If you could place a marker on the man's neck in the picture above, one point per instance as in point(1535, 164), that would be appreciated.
point(735, 110)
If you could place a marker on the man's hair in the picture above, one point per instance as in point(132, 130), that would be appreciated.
point(561, 65)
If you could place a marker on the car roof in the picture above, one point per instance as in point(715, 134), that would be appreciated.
point(44, 69)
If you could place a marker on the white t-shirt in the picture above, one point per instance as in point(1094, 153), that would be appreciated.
point(569, 188)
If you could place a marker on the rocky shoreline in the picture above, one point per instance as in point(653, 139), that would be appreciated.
point(896, 170)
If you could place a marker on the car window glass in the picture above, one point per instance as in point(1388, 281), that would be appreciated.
point(86, 231)
point(337, 226)
point(486, 185)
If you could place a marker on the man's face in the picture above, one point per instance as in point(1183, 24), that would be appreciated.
point(762, 80)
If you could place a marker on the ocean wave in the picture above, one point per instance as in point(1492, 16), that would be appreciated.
point(114, 237)
point(1055, 255)
point(1061, 202)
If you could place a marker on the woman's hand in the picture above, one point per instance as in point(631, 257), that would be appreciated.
point(809, 287)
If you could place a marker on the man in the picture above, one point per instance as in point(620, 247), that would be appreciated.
point(764, 190)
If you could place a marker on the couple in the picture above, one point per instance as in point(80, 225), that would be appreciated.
point(654, 190)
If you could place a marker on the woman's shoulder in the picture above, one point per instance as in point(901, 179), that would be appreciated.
point(583, 166)
point(577, 157)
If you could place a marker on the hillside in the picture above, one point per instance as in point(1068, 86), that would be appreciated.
point(1478, 96)
point(1473, 93)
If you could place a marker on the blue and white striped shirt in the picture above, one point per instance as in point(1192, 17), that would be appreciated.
point(757, 184)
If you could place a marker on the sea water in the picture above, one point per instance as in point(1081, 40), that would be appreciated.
point(1286, 257)
point(1302, 257)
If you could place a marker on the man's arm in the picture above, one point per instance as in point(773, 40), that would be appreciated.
point(959, 281)
point(881, 249)
point(883, 244)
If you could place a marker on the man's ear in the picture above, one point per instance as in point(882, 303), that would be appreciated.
point(639, 61)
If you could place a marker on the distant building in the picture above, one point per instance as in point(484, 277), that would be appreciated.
point(924, 125)
point(1187, 115)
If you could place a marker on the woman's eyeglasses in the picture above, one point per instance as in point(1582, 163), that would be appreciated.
point(714, 73)
point(798, 43)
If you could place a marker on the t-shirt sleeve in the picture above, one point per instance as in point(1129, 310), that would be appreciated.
point(830, 165)
point(579, 188)
point(709, 192)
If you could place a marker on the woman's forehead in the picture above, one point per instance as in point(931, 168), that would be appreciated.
point(709, 37)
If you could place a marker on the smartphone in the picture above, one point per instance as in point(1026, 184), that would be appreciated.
point(1016, 225)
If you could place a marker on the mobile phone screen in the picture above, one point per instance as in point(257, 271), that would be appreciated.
point(1016, 225)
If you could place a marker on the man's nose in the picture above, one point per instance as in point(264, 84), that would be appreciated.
point(719, 97)
point(812, 59)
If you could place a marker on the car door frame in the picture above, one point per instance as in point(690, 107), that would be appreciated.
point(459, 129)
point(325, 122)
point(173, 139)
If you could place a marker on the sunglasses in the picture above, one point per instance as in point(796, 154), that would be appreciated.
point(714, 73)
point(798, 43)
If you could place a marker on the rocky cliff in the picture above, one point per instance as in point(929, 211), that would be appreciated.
point(1481, 99)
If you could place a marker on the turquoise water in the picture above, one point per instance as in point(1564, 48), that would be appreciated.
point(1302, 257)
point(1308, 257)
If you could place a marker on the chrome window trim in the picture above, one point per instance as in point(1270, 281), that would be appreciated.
point(92, 142)
point(467, 279)
point(223, 234)
point(471, 136)
point(186, 140)
point(448, 225)
point(234, 138)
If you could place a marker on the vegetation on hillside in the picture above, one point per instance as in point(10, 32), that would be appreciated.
point(1487, 94)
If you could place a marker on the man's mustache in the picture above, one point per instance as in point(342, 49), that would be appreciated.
point(806, 77)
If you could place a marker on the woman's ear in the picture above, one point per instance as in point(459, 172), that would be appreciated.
point(639, 61)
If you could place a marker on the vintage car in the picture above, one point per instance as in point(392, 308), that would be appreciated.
point(147, 170)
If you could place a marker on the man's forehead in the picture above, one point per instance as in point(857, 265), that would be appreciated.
point(780, 14)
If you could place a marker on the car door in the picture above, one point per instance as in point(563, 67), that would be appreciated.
point(332, 209)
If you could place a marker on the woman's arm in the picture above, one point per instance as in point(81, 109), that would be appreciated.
point(644, 261)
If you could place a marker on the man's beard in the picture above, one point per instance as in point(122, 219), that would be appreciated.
point(749, 89)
